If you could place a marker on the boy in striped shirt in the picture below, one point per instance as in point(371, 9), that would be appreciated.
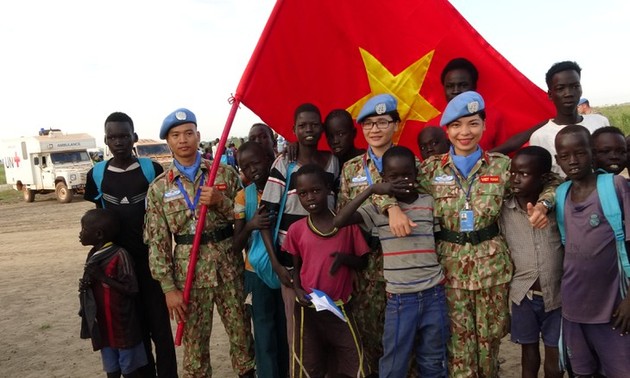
point(416, 304)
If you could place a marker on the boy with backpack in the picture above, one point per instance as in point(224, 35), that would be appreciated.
point(595, 307)
point(121, 184)
point(267, 308)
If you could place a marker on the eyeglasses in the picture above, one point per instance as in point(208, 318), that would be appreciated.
point(381, 124)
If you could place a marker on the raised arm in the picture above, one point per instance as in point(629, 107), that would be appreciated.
point(348, 214)
point(517, 140)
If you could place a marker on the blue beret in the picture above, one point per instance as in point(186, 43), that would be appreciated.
point(582, 101)
point(463, 105)
point(377, 105)
point(178, 117)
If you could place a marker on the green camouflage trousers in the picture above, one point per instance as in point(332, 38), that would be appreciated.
point(369, 303)
point(230, 302)
point(479, 319)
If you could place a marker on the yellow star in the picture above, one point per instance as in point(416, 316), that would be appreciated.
point(405, 87)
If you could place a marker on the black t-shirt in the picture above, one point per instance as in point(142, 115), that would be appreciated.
point(125, 192)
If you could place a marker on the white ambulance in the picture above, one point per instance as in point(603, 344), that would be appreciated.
point(49, 162)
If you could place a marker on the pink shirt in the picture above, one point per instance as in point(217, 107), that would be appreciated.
point(315, 252)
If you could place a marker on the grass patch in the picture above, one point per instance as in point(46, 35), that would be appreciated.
point(3, 176)
point(45, 327)
point(10, 196)
point(618, 115)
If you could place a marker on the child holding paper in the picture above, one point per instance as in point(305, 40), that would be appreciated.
point(323, 257)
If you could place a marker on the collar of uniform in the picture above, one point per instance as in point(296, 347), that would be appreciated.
point(446, 158)
point(174, 173)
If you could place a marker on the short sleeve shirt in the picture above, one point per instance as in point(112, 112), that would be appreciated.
point(316, 251)
point(590, 284)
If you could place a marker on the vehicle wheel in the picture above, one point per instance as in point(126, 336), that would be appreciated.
point(64, 195)
point(29, 195)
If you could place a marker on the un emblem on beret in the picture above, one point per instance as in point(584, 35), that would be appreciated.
point(180, 116)
point(380, 108)
point(473, 107)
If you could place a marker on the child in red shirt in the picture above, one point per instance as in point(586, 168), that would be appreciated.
point(324, 258)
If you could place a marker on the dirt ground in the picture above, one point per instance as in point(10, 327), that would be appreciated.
point(41, 261)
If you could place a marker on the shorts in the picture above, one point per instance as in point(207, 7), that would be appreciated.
point(530, 321)
point(124, 360)
point(597, 348)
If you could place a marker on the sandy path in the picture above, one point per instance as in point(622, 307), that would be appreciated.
point(41, 261)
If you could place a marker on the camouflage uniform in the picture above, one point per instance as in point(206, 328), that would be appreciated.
point(477, 276)
point(218, 275)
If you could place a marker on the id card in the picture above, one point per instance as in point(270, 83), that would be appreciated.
point(466, 221)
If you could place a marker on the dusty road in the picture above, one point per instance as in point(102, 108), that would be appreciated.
point(41, 261)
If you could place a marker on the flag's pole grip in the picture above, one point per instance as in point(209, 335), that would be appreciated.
point(194, 253)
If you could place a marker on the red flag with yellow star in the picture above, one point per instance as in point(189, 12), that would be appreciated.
point(337, 54)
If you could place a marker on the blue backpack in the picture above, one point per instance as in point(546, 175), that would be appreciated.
point(146, 165)
point(257, 254)
point(614, 215)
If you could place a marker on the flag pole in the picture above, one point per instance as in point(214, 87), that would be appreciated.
point(242, 86)
point(194, 253)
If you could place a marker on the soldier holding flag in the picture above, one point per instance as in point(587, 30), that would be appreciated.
point(173, 203)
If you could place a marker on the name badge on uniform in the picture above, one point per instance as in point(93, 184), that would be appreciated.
point(444, 180)
point(489, 179)
point(358, 181)
point(221, 187)
point(466, 221)
point(172, 195)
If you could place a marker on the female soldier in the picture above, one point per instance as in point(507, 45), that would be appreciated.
point(468, 185)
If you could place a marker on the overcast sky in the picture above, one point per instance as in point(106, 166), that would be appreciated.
point(68, 64)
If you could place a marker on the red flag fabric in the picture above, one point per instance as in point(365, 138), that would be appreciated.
point(337, 54)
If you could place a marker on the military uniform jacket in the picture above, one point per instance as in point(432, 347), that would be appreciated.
point(354, 180)
point(468, 266)
point(168, 214)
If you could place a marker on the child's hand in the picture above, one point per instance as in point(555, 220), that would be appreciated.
point(94, 271)
point(337, 262)
point(398, 187)
point(260, 220)
point(302, 297)
point(283, 275)
point(621, 317)
point(292, 151)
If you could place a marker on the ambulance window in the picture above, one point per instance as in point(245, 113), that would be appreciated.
point(36, 160)
point(24, 154)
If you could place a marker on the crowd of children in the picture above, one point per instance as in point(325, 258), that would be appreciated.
point(426, 265)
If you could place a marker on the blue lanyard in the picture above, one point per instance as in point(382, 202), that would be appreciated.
point(466, 192)
point(191, 206)
point(368, 175)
